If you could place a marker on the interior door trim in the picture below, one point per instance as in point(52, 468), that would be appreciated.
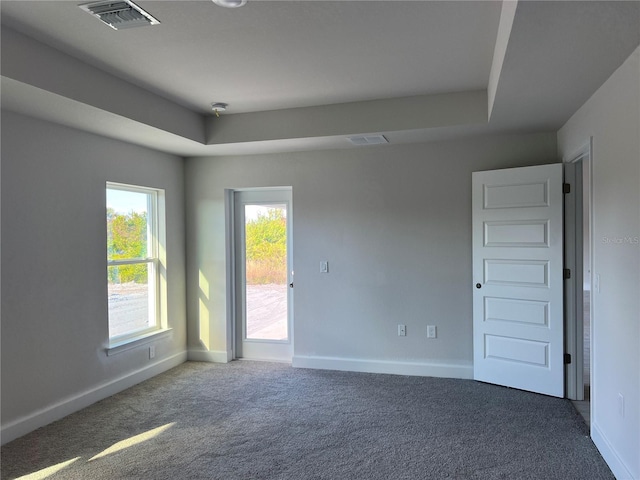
point(235, 310)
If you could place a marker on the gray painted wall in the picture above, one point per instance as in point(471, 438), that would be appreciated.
point(394, 222)
point(612, 117)
point(54, 284)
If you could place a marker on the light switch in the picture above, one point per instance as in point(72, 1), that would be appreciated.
point(324, 266)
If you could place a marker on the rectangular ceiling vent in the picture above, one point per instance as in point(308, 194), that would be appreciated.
point(368, 140)
point(120, 14)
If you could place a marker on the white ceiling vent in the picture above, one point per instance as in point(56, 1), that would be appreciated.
point(368, 140)
point(120, 14)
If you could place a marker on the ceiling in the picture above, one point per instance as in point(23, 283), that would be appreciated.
point(307, 74)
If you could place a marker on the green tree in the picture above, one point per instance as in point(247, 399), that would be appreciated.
point(127, 239)
point(266, 248)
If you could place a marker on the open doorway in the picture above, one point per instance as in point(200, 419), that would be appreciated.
point(578, 225)
point(586, 277)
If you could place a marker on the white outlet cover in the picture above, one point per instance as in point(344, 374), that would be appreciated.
point(431, 331)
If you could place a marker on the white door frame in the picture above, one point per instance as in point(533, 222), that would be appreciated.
point(230, 262)
point(574, 245)
point(231, 257)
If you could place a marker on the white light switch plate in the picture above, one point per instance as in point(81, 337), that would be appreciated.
point(324, 266)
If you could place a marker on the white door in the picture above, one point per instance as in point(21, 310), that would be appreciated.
point(264, 276)
point(518, 278)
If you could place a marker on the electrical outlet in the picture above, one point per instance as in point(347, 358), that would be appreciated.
point(402, 330)
point(152, 352)
point(431, 331)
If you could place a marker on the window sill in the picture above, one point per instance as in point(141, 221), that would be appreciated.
point(134, 342)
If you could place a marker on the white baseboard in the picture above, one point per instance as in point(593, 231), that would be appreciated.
point(608, 452)
point(213, 356)
point(385, 366)
point(50, 414)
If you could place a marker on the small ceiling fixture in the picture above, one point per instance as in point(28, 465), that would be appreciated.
point(219, 107)
point(230, 3)
point(120, 14)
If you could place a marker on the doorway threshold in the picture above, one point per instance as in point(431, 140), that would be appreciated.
point(584, 406)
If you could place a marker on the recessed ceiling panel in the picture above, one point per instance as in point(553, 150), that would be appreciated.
point(275, 55)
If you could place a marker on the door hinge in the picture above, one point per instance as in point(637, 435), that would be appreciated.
point(567, 358)
point(567, 273)
point(566, 188)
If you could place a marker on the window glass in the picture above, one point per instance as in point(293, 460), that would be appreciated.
point(132, 262)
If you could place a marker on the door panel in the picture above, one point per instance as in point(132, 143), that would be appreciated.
point(534, 233)
point(533, 273)
point(517, 350)
point(518, 278)
point(516, 311)
point(263, 274)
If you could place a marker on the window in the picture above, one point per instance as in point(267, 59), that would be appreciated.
point(135, 237)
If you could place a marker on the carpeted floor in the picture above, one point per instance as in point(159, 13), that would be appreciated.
point(252, 420)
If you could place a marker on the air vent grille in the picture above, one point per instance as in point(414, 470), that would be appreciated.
point(120, 14)
point(368, 140)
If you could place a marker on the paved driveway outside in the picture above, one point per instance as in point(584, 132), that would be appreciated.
point(266, 310)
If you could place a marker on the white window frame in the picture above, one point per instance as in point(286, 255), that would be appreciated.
point(156, 261)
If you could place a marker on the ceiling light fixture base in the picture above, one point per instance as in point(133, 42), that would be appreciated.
point(218, 107)
point(230, 3)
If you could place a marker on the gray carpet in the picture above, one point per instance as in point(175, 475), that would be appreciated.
point(252, 420)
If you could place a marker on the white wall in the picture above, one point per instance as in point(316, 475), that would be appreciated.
point(394, 222)
point(612, 117)
point(54, 284)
